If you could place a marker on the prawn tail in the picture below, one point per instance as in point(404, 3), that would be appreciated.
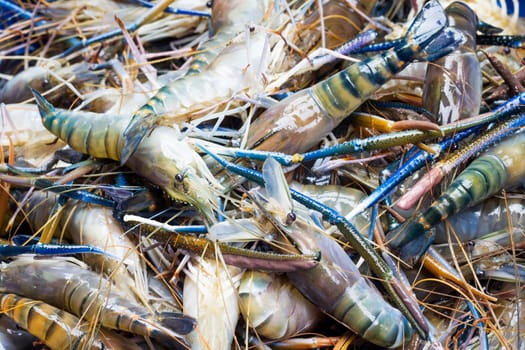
point(442, 45)
point(45, 108)
point(177, 322)
point(429, 35)
point(142, 122)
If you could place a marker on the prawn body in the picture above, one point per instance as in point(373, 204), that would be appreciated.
point(348, 297)
point(210, 296)
point(84, 223)
point(66, 285)
point(57, 329)
point(220, 70)
point(496, 169)
point(292, 123)
point(162, 158)
point(491, 215)
point(274, 307)
point(345, 294)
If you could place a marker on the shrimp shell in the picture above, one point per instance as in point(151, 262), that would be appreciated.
point(210, 296)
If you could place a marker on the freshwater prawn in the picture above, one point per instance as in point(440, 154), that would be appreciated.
point(66, 284)
point(297, 123)
point(59, 329)
point(89, 224)
point(274, 307)
point(161, 158)
point(496, 169)
point(344, 294)
point(220, 70)
point(453, 83)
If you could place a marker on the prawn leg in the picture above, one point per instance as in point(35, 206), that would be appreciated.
point(447, 165)
point(513, 41)
point(50, 249)
point(146, 17)
point(412, 165)
point(22, 246)
point(14, 11)
point(232, 255)
point(64, 190)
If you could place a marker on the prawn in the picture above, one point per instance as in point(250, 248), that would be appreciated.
point(345, 294)
point(274, 307)
point(84, 223)
point(65, 284)
point(296, 123)
point(228, 72)
point(453, 83)
point(161, 158)
point(58, 329)
point(210, 296)
point(498, 168)
point(394, 287)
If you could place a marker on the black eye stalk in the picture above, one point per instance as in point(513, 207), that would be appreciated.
point(290, 218)
point(179, 177)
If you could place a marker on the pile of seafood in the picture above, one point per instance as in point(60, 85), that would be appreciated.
point(258, 174)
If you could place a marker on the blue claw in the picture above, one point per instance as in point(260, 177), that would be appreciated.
point(515, 105)
point(69, 192)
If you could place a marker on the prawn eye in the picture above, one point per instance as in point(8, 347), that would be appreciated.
point(209, 4)
point(179, 177)
point(290, 217)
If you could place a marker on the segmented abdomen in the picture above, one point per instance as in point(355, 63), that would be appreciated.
point(498, 168)
point(355, 304)
point(347, 90)
point(82, 292)
point(56, 328)
point(89, 133)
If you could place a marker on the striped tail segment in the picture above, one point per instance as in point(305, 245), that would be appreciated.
point(58, 329)
point(484, 177)
point(343, 92)
point(89, 133)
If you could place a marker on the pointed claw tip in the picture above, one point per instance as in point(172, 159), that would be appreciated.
point(124, 156)
point(43, 105)
point(131, 143)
